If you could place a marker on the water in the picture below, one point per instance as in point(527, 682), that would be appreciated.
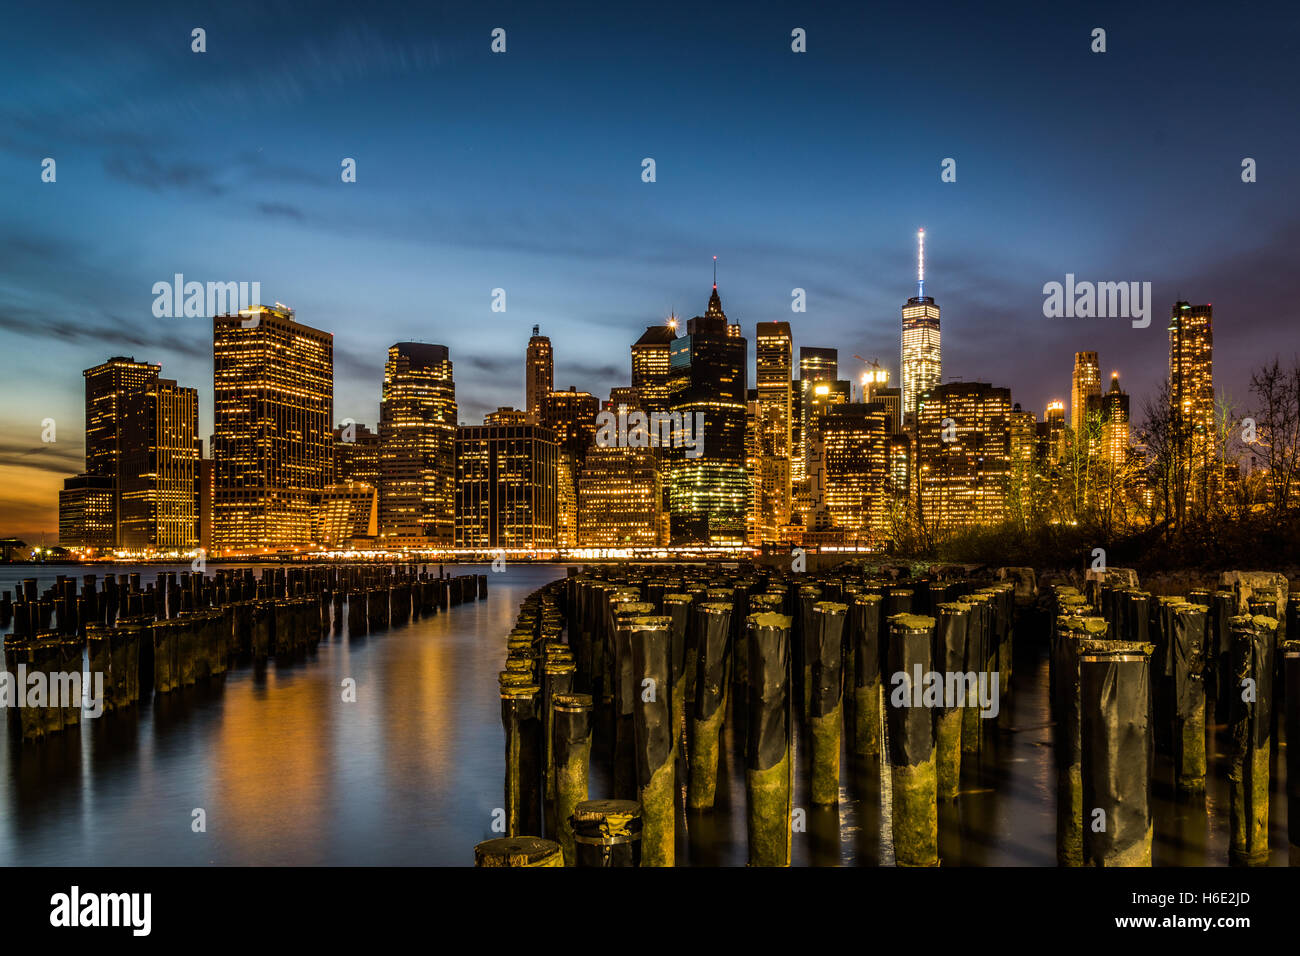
point(410, 774)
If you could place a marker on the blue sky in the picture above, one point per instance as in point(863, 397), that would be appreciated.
point(522, 171)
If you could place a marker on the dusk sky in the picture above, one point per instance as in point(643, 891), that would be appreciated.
point(522, 171)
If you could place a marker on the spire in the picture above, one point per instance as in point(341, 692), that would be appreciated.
point(920, 263)
point(715, 273)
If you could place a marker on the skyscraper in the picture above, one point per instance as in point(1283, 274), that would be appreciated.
point(1112, 411)
point(816, 365)
point(159, 449)
point(651, 365)
point(1052, 429)
point(1085, 384)
point(855, 461)
point(572, 416)
point(922, 366)
point(619, 498)
point(708, 492)
point(506, 483)
point(1191, 366)
point(273, 411)
point(417, 435)
point(107, 387)
point(356, 454)
point(774, 359)
point(964, 436)
point(539, 374)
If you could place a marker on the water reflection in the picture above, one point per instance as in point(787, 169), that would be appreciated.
point(410, 774)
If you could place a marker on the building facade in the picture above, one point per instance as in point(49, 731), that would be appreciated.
point(964, 440)
point(506, 484)
point(273, 412)
point(417, 436)
point(708, 491)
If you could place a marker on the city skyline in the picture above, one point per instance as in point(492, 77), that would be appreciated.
point(281, 475)
point(152, 155)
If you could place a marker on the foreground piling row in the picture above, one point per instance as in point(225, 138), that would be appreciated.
point(668, 662)
point(662, 661)
point(1133, 675)
point(151, 640)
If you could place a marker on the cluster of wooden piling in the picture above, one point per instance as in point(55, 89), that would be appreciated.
point(153, 638)
point(655, 660)
point(1133, 674)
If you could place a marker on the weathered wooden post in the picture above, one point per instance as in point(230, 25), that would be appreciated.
point(1248, 772)
point(1117, 755)
point(950, 661)
point(523, 772)
point(827, 699)
point(571, 726)
point(768, 773)
point(911, 742)
point(710, 704)
point(865, 635)
point(651, 646)
point(520, 851)
point(607, 833)
point(1187, 649)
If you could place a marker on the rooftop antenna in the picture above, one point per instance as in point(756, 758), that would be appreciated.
point(715, 272)
point(920, 263)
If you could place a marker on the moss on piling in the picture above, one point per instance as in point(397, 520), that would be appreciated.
point(769, 814)
point(826, 757)
point(916, 814)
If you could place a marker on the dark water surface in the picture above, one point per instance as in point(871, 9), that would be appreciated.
point(288, 773)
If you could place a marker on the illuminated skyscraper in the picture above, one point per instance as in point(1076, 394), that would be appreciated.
point(619, 498)
point(417, 435)
point(773, 427)
point(273, 412)
point(1085, 384)
point(651, 365)
point(855, 462)
point(107, 386)
point(1191, 366)
point(159, 466)
point(86, 512)
point(539, 374)
point(964, 435)
point(708, 492)
point(1053, 431)
point(506, 483)
point(356, 454)
point(572, 416)
point(921, 365)
point(816, 366)
point(1112, 411)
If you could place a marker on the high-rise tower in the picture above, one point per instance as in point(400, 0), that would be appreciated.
point(273, 412)
point(417, 446)
point(1085, 384)
point(1191, 366)
point(775, 356)
point(539, 375)
point(921, 364)
point(708, 488)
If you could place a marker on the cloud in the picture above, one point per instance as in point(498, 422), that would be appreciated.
point(280, 210)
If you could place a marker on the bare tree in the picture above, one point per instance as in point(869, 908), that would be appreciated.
point(1277, 429)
